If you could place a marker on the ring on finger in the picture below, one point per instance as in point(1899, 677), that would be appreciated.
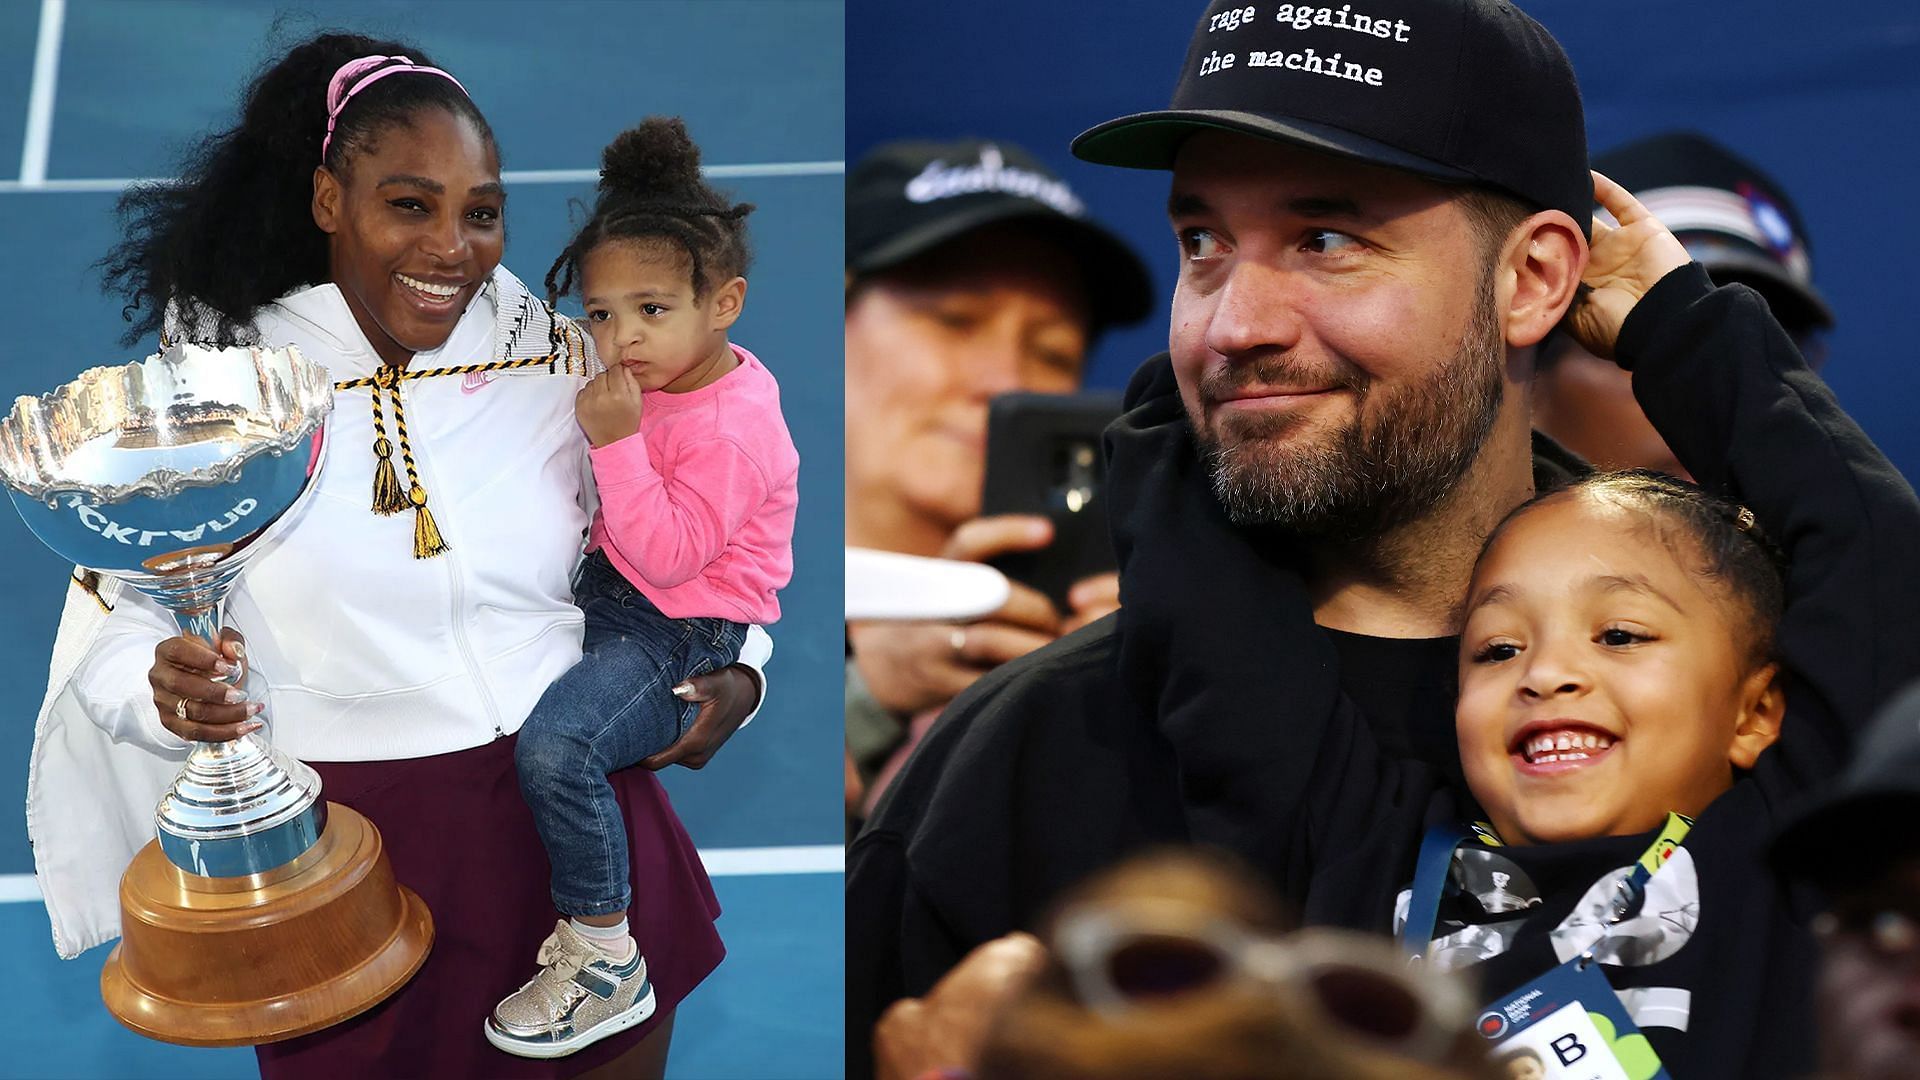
point(180, 709)
point(958, 639)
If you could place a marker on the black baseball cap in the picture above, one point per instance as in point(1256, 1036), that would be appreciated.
point(1462, 91)
point(1733, 218)
point(905, 199)
point(1850, 833)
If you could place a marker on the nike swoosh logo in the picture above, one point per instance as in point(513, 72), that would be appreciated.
point(475, 380)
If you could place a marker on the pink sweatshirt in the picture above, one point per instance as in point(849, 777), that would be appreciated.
point(696, 508)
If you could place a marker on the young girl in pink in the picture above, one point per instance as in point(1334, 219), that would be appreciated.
point(697, 481)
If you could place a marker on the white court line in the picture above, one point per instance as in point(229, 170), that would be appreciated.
point(510, 176)
point(744, 861)
point(720, 862)
point(46, 77)
point(717, 172)
point(14, 187)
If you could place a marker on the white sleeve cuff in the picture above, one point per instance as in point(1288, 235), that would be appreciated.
point(111, 682)
point(755, 651)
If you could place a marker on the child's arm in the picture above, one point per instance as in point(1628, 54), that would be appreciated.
point(670, 530)
point(667, 531)
point(1726, 388)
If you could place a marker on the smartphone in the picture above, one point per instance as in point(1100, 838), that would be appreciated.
point(1043, 457)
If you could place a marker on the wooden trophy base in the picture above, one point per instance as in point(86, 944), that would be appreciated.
point(244, 960)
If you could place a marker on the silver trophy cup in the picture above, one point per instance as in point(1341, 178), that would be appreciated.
point(166, 474)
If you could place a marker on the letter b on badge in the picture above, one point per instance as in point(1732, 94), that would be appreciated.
point(1568, 1048)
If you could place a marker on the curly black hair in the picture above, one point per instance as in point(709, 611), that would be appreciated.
point(651, 191)
point(236, 232)
point(1717, 536)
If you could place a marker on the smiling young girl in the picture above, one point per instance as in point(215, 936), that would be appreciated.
point(1642, 688)
point(1618, 660)
point(697, 480)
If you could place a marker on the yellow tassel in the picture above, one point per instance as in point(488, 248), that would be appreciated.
point(386, 484)
point(427, 541)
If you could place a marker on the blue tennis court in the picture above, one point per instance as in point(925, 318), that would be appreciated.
point(94, 93)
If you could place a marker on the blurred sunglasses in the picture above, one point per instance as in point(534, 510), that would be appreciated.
point(1144, 954)
point(1891, 933)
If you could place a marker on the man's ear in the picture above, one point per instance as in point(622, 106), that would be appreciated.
point(327, 196)
point(1763, 704)
point(1544, 258)
point(729, 300)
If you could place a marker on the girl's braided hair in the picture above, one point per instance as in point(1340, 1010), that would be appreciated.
point(236, 232)
point(1714, 535)
point(651, 192)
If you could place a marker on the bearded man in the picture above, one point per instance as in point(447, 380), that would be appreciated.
point(1366, 267)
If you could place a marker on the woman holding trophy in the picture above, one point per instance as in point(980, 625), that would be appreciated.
point(406, 616)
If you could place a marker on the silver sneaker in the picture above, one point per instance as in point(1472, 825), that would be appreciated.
point(578, 998)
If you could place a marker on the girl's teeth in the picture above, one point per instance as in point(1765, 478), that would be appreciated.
point(1565, 746)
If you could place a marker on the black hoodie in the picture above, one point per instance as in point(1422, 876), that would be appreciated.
point(1213, 710)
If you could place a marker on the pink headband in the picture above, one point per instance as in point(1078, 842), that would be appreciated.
point(341, 88)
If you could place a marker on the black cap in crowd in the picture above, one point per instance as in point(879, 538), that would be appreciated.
point(1851, 833)
point(1464, 91)
point(906, 198)
point(1732, 217)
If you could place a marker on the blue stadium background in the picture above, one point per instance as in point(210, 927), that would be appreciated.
point(760, 85)
point(1822, 96)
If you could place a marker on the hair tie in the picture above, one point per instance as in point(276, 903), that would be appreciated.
point(342, 87)
point(1743, 519)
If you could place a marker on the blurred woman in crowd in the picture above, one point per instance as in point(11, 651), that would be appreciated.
point(972, 271)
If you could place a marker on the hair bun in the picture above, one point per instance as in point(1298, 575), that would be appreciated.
point(653, 160)
point(652, 191)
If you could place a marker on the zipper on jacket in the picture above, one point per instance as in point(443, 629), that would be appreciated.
point(422, 462)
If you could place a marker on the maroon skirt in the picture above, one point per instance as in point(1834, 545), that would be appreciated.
point(460, 835)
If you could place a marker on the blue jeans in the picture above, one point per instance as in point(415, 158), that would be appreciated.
point(613, 708)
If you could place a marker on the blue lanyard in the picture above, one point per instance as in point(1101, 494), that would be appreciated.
point(1436, 857)
point(1429, 881)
